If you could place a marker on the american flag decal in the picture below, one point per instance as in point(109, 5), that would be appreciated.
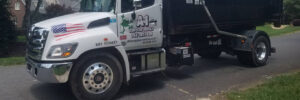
point(67, 29)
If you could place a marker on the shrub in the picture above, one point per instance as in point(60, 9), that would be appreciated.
point(7, 28)
point(55, 10)
point(296, 22)
point(38, 17)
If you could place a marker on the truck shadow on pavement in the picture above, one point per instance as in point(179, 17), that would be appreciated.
point(46, 91)
point(143, 84)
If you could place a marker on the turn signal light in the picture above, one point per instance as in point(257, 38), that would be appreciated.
point(67, 54)
point(243, 41)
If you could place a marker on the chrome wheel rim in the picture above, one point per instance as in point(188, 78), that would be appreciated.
point(97, 78)
point(261, 51)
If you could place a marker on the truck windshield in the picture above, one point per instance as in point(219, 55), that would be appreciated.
point(98, 5)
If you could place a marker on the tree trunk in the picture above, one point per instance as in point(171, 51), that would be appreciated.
point(26, 20)
point(27, 17)
point(37, 9)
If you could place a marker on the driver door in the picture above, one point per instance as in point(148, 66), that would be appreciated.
point(140, 28)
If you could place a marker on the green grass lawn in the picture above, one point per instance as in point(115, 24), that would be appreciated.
point(274, 32)
point(9, 61)
point(285, 87)
point(12, 61)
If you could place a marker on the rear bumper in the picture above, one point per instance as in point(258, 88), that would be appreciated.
point(49, 72)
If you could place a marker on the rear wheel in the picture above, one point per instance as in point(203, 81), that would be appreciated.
point(96, 77)
point(259, 54)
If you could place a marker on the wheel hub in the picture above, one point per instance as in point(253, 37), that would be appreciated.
point(261, 51)
point(97, 78)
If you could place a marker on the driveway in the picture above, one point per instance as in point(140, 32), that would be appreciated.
point(204, 78)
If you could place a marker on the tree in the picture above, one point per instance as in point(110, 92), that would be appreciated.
point(7, 28)
point(292, 9)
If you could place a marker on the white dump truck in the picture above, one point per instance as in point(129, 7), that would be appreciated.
point(109, 42)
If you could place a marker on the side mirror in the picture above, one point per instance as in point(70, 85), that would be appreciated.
point(137, 4)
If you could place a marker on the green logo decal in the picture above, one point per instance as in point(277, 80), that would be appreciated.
point(126, 23)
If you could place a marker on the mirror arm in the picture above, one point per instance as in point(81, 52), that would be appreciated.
point(133, 15)
point(136, 4)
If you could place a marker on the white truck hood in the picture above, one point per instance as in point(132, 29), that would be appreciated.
point(76, 18)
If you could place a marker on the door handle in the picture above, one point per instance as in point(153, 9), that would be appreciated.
point(153, 22)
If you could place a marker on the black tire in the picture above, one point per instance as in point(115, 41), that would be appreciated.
point(251, 58)
point(210, 53)
point(77, 74)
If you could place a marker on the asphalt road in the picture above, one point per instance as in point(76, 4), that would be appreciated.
point(187, 83)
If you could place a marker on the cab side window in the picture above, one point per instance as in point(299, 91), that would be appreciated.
point(127, 5)
point(147, 3)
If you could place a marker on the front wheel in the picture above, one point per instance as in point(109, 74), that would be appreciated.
point(259, 54)
point(96, 77)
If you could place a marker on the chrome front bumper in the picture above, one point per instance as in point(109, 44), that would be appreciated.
point(49, 72)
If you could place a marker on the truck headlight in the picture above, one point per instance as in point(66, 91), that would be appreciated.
point(62, 51)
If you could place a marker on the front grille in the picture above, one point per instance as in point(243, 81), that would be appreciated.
point(36, 43)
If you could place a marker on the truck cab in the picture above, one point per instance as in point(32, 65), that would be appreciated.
point(108, 42)
point(110, 29)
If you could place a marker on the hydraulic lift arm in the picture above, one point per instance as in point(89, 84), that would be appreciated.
point(202, 2)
